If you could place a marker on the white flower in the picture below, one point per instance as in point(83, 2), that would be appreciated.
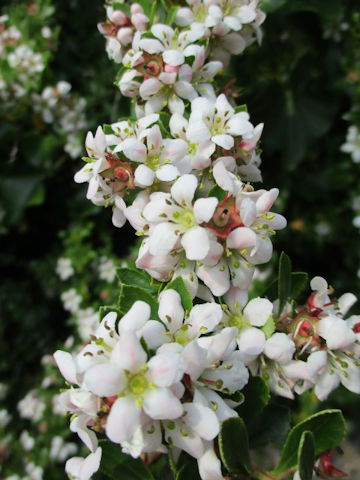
point(175, 220)
point(31, 406)
point(107, 269)
point(352, 144)
point(327, 369)
point(5, 418)
point(169, 43)
point(218, 122)
point(83, 469)
point(64, 268)
point(71, 300)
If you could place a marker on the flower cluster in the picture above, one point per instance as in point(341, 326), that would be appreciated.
point(352, 144)
point(57, 106)
point(164, 378)
point(23, 55)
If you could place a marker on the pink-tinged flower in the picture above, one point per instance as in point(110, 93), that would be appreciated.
point(218, 122)
point(171, 44)
point(157, 156)
point(175, 220)
point(247, 319)
point(83, 468)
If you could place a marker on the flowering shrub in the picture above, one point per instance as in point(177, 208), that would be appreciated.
point(177, 365)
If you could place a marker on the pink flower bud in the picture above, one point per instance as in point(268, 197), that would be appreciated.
point(171, 68)
point(125, 35)
point(136, 8)
point(120, 18)
point(140, 21)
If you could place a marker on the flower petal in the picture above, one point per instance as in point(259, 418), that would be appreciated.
point(123, 419)
point(161, 404)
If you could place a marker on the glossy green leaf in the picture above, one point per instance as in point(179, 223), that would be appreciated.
point(130, 294)
point(179, 285)
point(171, 15)
point(119, 466)
point(217, 192)
point(269, 327)
point(137, 278)
point(328, 428)
point(306, 455)
point(271, 427)
point(105, 309)
point(234, 446)
point(271, 5)
point(257, 396)
point(299, 281)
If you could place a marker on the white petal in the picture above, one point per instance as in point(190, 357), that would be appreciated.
point(204, 318)
point(66, 365)
point(280, 348)
point(162, 239)
point(135, 318)
point(204, 208)
point(185, 90)
point(128, 353)
point(144, 176)
point(198, 131)
point(224, 141)
point(165, 369)
point(257, 311)
point(161, 404)
point(202, 420)
point(194, 359)
point(171, 311)
point(151, 45)
point(133, 149)
point(105, 379)
point(173, 57)
point(215, 277)
point(196, 243)
point(248, 211)
point(251, 341)
point(123, 419)
point(167, 173)
point(209, 465)
point(184, 188)
point(149, 87)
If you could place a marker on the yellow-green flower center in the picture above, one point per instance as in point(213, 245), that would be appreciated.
point(236, 320)
point(138, 384)
point(187, 219)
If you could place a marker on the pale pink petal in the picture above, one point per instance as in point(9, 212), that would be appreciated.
point(128, 353)
point(164, 369)
point(149, 87)
point(171, 311)
point(105, 379)
point(247, 211)
point(240, 238)
point(151, 45)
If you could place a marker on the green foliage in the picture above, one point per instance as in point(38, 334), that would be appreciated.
point(306, 455)
point(179, 285)
point(130, 294)
point(234, 446)
point(138, 278)
point(119, 466)
point(257, 396)
point(328, 429)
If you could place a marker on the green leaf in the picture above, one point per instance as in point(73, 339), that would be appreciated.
point(107, 129)
point(257, 396)
point(137, 278)
point(123, 7)
point(119, 466)
point(234, 446)
point(272, 426)
point(146, 6)
point(105, 309)
point(171, 15)
point(189, 470)
point(328, 428)
point(152, 11)
point(129, 294)
point(284, 281)
point(299, 282)
point(217, 192)
point(179, 285)
point(306, 455)
point(164, 120)
point(241, 108)
point(269, 327)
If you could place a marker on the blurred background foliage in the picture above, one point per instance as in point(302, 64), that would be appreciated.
point(303, 83)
